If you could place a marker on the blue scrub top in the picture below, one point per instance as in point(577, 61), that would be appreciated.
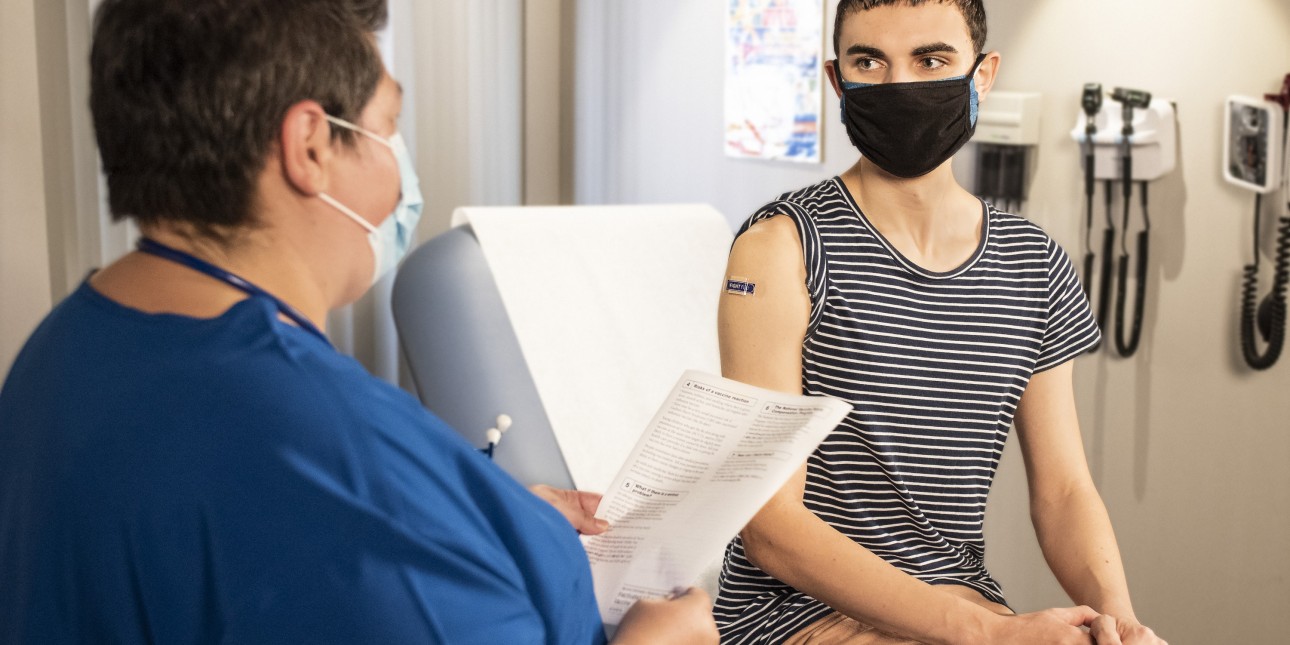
point(177, 480)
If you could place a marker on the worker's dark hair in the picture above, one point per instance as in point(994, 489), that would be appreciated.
point(373, 14)
point(188, 97)
point(973, 12)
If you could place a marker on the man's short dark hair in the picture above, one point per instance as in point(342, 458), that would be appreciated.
point(188, 97)
point(973, 12)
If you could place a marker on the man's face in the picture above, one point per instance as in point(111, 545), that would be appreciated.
point(902, 43)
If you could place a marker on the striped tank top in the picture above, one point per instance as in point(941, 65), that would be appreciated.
point(934, 364)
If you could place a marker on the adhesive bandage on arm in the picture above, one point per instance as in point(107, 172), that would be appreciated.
point(740, 286)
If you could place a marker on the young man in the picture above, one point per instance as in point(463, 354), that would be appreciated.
point(944, 322)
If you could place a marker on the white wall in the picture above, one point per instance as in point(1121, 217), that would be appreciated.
point(1187, 446)
point(649, 112)
point(24, 258)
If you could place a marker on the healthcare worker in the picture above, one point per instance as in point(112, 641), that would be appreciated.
point(184, 458)
point(943, 321)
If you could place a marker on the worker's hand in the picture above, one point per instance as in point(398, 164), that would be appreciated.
point(1109, 630)
point(1056, 626)
point(577, 506)
point(684, 620)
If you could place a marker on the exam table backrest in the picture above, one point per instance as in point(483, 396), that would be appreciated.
point(464, 357)
point(613, 303)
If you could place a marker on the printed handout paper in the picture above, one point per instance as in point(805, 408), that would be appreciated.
point(712, 456)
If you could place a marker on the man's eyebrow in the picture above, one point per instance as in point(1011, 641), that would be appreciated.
point(874, 52)
point(934, 48)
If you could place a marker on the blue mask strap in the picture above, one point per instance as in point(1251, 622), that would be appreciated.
point(974, 99)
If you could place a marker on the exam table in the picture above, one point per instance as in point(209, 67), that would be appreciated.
point(456, 296)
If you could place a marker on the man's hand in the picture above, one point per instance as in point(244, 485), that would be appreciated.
point(577, 506)
point(680, 620)
point(1052, 626)
point(1109, 630)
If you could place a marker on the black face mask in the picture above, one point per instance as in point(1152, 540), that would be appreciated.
point(910, 129)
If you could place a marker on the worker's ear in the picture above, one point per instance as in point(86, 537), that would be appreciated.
point(304, 148)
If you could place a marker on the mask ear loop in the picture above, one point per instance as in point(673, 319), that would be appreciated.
point(347, 212)
point(842, 84)
point(974, 101)
point(369, 134)
point(837, 72)
point(361, 130)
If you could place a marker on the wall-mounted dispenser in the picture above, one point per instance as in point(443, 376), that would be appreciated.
point(1007, 130)
point(1009, 118)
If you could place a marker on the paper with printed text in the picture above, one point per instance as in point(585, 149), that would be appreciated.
point(711, 457)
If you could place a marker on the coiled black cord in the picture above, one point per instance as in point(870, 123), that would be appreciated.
point(1270, 316)
point(1090, 185)
point(1129, 347)
point(1108, 253)
point(1090, 258)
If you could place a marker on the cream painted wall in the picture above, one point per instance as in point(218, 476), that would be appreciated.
point(24, 259)
point(1188, 448)
point(468, 70)
point(544, 69)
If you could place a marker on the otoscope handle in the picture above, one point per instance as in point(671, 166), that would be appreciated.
point(1126, 164)
point(1107, 281)
point(1089, 259)
point(1090, 182)
point(1088, 275)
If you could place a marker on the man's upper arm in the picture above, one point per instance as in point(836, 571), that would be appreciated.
point(1048, 429)
point(761, 334)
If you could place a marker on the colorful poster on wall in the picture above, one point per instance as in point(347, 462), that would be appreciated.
point(774, 79)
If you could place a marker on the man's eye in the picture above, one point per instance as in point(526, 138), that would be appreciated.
point(867, 64)
point(933, 63)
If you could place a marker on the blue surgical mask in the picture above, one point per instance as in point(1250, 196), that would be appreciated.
point(390, 240)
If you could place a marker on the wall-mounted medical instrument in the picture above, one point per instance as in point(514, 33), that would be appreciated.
point(1134, 146)
point(1091, 104)
point(1130, 101)
point(1007, 132)
point(1256, 156)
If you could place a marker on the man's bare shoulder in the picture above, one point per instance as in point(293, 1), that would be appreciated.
point(774, 236)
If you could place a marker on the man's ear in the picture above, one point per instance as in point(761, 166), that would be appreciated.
point(831, 70)
point(304, 144)
point(987, 73)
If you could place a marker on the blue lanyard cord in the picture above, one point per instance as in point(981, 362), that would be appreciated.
point(153, 247)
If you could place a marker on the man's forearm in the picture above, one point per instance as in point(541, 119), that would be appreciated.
point(1079, 544)
point(806, 553)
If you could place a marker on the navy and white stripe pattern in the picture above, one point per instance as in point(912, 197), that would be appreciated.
point(934, 364)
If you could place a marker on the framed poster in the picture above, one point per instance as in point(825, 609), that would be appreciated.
point(774, 78)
